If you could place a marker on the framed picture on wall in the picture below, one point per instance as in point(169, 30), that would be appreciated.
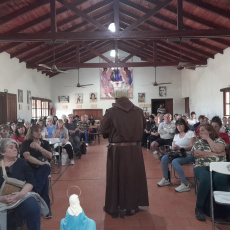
point(79, 98)
point(28, 97)
point(63, 99)
point(115, 78)
point(93, 97)
point(162, 91)
point(141, 97)
point(20, 96)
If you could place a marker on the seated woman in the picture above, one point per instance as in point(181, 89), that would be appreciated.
point(184, 138)
point(41, 123)
point(62, 133)
point(50, 126)
point(217, 124)
point(20, 134)
point(19, 169)
point(208, 148)
point(4, 131)
point(38, 153)
point(83, 128)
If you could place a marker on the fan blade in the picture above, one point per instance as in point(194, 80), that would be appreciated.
point(184, 63)
point(44, 65)
point(164, 83)
point(62, 71)
point(86, 85)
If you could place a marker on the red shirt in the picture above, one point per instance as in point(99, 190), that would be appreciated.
point(20, 139)
point(225, 137)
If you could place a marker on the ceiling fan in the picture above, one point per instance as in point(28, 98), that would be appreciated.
point(187, 65)
point(78, 83)
point(155, 83)
point(53, 68)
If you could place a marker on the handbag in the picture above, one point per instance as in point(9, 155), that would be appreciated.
point(42, 159)
point(10, 185)
point(173, 154)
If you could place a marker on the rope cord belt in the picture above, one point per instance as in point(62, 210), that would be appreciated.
point(125, 143)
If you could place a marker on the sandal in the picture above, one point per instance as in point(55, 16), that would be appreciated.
point(113, 215)
point(132, 212)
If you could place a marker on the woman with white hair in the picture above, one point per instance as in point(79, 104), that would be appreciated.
point(50, 126)
point(18, 169)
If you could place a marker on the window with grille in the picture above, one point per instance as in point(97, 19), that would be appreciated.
point(227, 104)
point(40, 108)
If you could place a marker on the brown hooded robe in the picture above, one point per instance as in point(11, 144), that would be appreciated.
point(126, 184)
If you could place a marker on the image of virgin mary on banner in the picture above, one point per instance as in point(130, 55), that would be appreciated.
point(115, 78)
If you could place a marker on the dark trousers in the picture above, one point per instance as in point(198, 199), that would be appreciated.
point(29, 211)
point(68, 149)
point(42, 183)
point(144, 138)
point(220, 182)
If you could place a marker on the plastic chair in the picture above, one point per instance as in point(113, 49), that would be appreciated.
point(219, 197)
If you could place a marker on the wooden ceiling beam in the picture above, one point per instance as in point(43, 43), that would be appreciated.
point(53, 16)
point(211, 47)
point(72, 28)
point(102, 35)
point(77, 53)
point(47, 16)
point(149, 14)
point(173, 10)
point(110, 65)
point(83, 15)
point(180, 14)
point(94, 51)
point(7, 18)
point(209, 7)
point(116, 15)
point(27, 49)
point(4, 2)
point(136, 51)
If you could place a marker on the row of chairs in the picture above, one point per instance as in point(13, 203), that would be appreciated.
point(220, 197)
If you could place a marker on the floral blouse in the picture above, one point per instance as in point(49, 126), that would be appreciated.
point(204, 146)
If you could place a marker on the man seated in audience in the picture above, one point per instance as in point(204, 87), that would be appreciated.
point(197, 125)
point(153, 131)
point(149, 124)
point(192, 120)
point(161, 109)
point(166, 130)
point(224, 127)
point(83, 127)
point(73, 133)
point(64, 118)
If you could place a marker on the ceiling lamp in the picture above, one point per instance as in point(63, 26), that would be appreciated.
point(112, 27)
point(112, 53)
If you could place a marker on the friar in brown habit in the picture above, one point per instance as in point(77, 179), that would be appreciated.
point(126, 185)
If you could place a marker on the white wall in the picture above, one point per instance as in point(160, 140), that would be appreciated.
point(203, 85)
point(142, 79)
point(15, 75)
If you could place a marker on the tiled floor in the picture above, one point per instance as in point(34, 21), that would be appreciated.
point(168, 210)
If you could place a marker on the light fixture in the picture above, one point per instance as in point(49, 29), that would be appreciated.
point(112, 53)
point(112, 27)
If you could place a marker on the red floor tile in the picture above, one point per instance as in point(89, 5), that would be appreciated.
point(168, 210)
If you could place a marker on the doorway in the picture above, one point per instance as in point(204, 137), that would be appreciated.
point(168, 104)
point(8, 107)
